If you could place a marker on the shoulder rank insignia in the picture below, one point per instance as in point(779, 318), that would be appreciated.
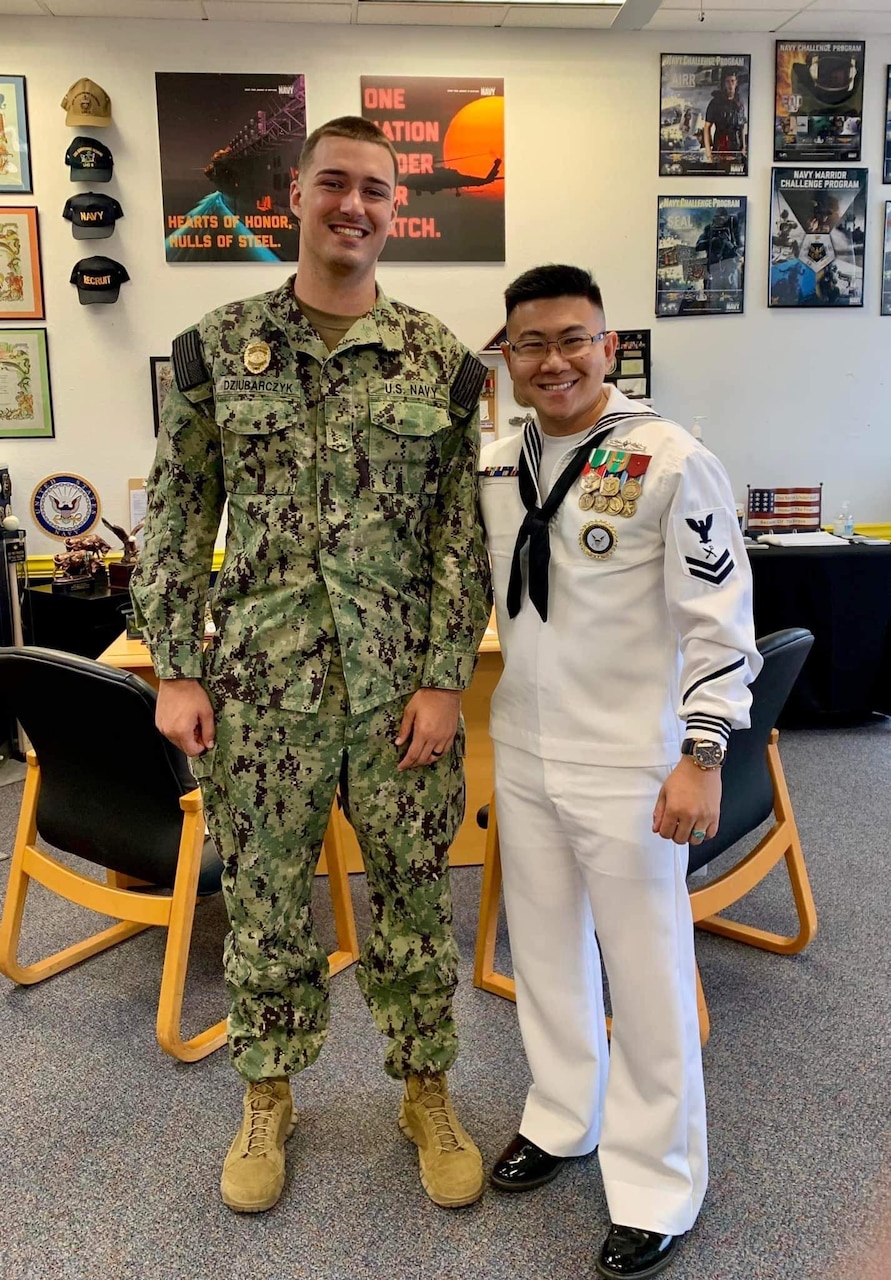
point(468, 384)
point(704, 545)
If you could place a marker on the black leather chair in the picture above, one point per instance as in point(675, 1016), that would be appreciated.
point(754, 789)
point(103, 784)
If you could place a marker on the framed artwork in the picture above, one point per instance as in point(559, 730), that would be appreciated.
point(630, 369)
point(26, 407)
point(817, 235)
point(886, 263)
point(21, 287)
point(704, 115)
point(15, 151)
point(886, 176)
point(162, 381)
point(818, 100)
point(701, 255)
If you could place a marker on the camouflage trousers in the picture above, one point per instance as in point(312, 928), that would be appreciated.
point(268, 786)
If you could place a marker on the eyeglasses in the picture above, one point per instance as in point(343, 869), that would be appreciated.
point(572, 346)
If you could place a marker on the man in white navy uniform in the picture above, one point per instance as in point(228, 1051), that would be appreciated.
point(623, 599)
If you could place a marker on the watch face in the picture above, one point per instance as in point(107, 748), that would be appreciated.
point(708, 754)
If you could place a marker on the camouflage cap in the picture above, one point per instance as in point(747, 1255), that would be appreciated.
point(87, 103)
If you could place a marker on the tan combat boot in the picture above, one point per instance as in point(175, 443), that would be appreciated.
point(451, 1165)
point(254, 1168)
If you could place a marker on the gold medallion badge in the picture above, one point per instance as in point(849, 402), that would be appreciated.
point(257, 356)
point(598, 540)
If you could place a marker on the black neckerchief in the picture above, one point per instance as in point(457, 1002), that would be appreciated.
point(538, 517)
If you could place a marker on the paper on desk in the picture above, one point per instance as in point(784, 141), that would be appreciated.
point(817, 539)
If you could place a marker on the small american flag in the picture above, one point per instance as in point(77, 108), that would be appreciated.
point(784, 510)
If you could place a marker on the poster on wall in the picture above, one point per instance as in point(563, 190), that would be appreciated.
point(886, 176)
point(26, 407)
point(21, 290)
point(700, 255)
point(817, 234)
point(886, 263)
point(704, 114)
point(449, 134)
point(229, 151)
point(15, 160)
point(819, 100)
point(630, 369)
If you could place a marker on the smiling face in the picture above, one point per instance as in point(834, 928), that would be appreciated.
point(565, 391)
point(345, 200)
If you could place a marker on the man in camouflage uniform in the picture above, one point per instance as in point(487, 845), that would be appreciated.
point(341, 427)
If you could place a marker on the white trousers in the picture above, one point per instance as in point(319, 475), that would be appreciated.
point(579, 854)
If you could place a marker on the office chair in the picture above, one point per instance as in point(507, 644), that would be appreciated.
point(103, 784)
point(754, 789)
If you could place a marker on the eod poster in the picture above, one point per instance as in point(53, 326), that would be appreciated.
point(700, 255)
point(704, 114)
point(819, 100)
point(230, 145)
point(449, 135)
point(817, 234)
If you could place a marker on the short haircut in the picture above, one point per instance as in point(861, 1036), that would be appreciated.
point(555, 280)
point(353, 127)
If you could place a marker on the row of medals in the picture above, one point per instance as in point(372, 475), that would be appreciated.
point(607, 493)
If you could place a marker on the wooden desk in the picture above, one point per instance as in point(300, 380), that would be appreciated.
point(470, 843)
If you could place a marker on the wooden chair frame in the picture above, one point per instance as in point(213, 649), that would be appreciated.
point(120, 897)
point(781, 841)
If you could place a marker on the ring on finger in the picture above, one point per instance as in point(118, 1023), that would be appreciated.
point(435, 753)
point(697, 835)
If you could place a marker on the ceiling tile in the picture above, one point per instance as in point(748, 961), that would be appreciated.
point(436, 15)
point(559, 15)
point(278, 11)
point(859, 6)
point(719, 6)
point(726, 20)
point(22, 9)
point(852, 22)
point(177, 9)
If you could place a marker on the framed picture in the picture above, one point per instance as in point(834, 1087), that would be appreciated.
point(15, 152)
point(701, 255)
point(21, 287)
point(886, 263)
point(162, 381)
point(704, 115)
point(26, 407)
point(818, 100)
point(886, 176)
point(817, 234)
point(630, 369)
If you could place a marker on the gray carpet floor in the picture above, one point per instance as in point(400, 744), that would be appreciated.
point(111, 1152)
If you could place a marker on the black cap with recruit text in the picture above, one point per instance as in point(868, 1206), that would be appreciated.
point(92, 216)
point(98, 279)
point(89, 160)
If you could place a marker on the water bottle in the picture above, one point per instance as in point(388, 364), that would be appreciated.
point(843, 525)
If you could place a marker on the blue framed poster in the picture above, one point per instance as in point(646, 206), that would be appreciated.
point(15, 161)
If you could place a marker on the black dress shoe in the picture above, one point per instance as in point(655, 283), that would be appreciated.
point(523, 1165)
point(631, 1254)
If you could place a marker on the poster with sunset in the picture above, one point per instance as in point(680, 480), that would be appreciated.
point(449, 136)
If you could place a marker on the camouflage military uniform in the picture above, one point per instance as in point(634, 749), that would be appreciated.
point(354, 574)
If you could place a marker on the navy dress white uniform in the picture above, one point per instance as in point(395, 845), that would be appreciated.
point(648, 636)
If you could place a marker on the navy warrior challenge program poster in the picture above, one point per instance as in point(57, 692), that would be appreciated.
point(230, 145)
point(449, 135)
point(819, 100)
point(701, 255)
point(817, 233)
point(704, 117)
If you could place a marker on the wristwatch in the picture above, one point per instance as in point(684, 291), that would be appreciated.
point(708, 755)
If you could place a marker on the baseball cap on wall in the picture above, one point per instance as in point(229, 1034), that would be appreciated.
point(98, 280)
point(89, 160)
point(92, 216)
point(86, 102)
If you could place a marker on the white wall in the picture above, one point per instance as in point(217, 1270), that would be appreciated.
point(788, 396)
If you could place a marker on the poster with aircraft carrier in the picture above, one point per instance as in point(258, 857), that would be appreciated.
point(230, 145)
point(701, 255)
point(819, 100)
point(449, 135)
point(704, 114)
point(817, 234)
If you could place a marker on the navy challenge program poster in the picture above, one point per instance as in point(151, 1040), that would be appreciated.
point(230, 146)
